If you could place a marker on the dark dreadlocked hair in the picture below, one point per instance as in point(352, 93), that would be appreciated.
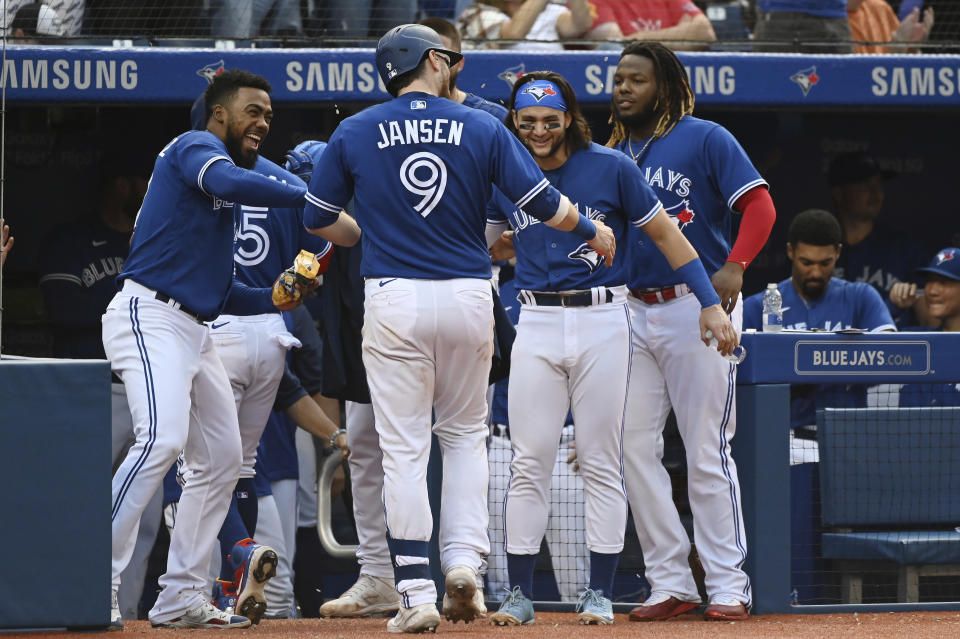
point(578, 135)
point(674, 95)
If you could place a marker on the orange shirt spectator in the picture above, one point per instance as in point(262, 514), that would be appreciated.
point(875, 21)
point(650, 20)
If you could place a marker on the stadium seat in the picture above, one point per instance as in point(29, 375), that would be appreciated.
point(890, 494)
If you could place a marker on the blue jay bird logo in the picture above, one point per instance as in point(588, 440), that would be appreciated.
point(806, 79)
point(511, 75)
point(210, 71)
point(539, 93)
point(588, 256)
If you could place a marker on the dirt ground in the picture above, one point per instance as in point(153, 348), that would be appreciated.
point(908, 625)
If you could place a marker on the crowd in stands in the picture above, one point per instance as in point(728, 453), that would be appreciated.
point(817, 26)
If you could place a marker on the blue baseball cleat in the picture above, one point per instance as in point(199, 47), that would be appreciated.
point(594, 608)
point(516, 610)
point(255, 565)
point(224, 596)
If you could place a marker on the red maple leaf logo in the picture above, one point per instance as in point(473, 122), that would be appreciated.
point(814, 78)
point(685, 216)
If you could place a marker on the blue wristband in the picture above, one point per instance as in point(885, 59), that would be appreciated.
point(585, 228)
point(696, 278)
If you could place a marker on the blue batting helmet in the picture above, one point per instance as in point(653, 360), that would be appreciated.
point(403, 48)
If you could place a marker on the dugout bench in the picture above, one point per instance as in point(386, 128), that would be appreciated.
point(849, 498)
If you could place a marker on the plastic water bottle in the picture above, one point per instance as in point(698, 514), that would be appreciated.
point(739, 353)
point(772, 309)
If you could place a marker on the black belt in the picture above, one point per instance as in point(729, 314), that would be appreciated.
point(583, 298)
point(197, 317)
point(501, 430)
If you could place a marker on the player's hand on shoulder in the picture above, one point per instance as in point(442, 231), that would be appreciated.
point(604, 242)
point(904, 294)
point(715, 319)
point(727, 282)
point(502, 250)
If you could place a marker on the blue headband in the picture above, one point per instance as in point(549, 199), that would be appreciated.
point(539, 93)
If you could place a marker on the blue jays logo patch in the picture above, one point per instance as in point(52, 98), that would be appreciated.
point(945, 256)
point(511, 75)
point(588, 256)
point(806, 79)
point(539, 93)
point(681, 213)
point(210, 71)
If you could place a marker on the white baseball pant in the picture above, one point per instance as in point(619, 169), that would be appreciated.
point(307, 479)
point(276, 527)
point(671, 364)
point(133, 576)
point(565, 533)
point(576, 358)
point(427, 347)
point(253, 350)
point(180, 399)
point(366, 480)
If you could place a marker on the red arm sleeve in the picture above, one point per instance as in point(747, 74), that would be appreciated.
point(758, 212)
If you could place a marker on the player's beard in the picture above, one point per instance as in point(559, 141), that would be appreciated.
point(814, 292)
point(643, 120)
point(445, 87)
point(452, 85)
point(556, 146)
point(234, 144)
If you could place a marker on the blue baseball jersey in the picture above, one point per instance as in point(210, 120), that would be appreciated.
point(183, 241)
point(268, 239)
point(882, 259)
point(604, 185)
point(78, 273)
point(843, 305)
point(698, 171)
point(498, 111)
point(277, 452)
point(422, 169)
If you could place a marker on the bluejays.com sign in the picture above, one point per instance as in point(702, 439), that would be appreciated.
point(861, 358)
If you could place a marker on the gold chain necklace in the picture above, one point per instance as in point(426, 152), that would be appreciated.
point(630, 147)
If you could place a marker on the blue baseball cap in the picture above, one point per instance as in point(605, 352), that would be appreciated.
point(945, 263)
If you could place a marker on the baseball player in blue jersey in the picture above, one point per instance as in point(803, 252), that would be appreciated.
point(702, 176)
point(815, 300)
point(573, 341)
point(177, 276)
point(942, 295)
point(421, 168)
point(565, 532)
point(253, 348)
point(374, 591)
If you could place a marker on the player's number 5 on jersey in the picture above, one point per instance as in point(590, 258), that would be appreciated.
point(250, 230)
point(424, 174)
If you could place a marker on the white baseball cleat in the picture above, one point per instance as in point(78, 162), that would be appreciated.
point(463, 601)
point(369, 596)
point(205, 616)
point(422, 618)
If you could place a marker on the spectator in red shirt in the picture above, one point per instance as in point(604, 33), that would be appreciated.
point(661, 20)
